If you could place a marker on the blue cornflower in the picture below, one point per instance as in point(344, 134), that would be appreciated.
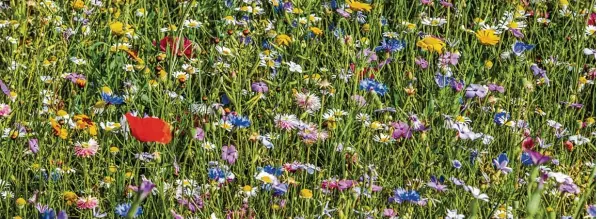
point(215, 173)
point(456, 164)
point(280, 189)
point(273, 170)
point(391, 45)
point(266, 45)
point(383, 21)
point(371, 85)
point(501, 118)
point(47, 214)
point(402, 195)
point(239, 121)
point(473, 156)
point(112, 99)
point(123, 210)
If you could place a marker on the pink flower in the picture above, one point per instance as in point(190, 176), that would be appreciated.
point(5, 110)
point(86, 149)
point(87, 202)
point(286, 122)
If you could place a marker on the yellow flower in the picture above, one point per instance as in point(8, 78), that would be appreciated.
point(358, 6)
point(17, 217)
point(21, 203)
point(432, 44)
point(78, 4)
point(107, 90)
point(366, 28)
point(487, 37)
point(316, 31)
point(306, 193)
point(117, 28)
point(112, 168)
point(488, 64)
point(114, 150)
point(69, 197)
point(283, 40)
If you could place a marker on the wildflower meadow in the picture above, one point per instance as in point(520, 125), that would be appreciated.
point(297, 109)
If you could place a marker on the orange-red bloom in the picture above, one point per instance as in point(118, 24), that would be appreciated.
point(149, 129)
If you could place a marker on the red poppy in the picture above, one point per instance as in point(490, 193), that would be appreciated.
point(176, 47)
point(149, 129)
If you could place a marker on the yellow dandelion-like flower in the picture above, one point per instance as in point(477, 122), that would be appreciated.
point(358, 6)
point(487, 37)
point(283, 40)
point(432, 44)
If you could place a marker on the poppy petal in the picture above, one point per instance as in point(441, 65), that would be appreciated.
point(149, 129)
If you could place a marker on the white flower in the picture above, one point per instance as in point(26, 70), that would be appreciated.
point(110, 126)
point(78, 61)
point(453, 214)
point(267, 178)
point(208, 146)
point(588, 51)
point(434, 22)
point(293, 67)
point(477, 193)
point(140, 12)
point(128, 68)
point(224, 50)
point(383, 138)
point(578, 139)
point(191, 23)
point(560, 177)
point(487, 139)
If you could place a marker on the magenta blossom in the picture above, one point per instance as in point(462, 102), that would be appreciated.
point(401, 130)
point(421, 62)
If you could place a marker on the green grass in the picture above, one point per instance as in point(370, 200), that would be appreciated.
point(404, 163)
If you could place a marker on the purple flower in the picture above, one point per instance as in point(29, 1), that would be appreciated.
point(517, 33)
point(495, 87)
point(476, 90)
point(343, 13)
point(437, 184)
point(449, 58)
point(33, 146)
point(533, 157)
point(445, 3)
point(259, 87)
point(229, 153)
point(569, 187)
point(62, 215)
point(591, 210)
point(401, 130)
point(198, 134)
point(427, 2)
point(388, 212)
point(369, 54)
point(73, 77)
point(145, 189)
point(538, 72)
point(457, 181)
point(360, 100)
point(421, 62)
point(176, 215)
point(456, 164)
point(346, 184)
